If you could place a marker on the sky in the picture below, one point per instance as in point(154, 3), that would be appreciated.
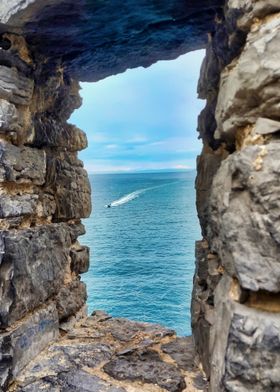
point(143, 119)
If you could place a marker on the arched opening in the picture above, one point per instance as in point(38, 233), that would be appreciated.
point(141, 127)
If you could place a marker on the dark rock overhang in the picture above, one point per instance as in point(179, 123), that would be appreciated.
point(93, 39)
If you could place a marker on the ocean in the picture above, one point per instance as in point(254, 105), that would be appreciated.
point(142, 248)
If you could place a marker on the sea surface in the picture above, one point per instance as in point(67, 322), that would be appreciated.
point(142, 248)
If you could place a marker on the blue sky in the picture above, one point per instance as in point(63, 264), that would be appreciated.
point(143, 119)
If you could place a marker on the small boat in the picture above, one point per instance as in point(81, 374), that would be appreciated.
point(108, 206)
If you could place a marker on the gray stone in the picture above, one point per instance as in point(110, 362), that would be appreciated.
point(22, 343)
point(15, 87)
point(12, 206)
point(22, 164)
point(10, 117)
point(245, 211)
point(207, 165)
point(81, 381)
point(125, 330)
point(146, 366)
point(74, 381)
point(182, 351)
point(243, 97)
point(79, 259)
point(265, 126)
point(84, 354)
point(49, 132)
point(206, 279)
point(143, 32)
point(70, 184)
point(245, 346)
point(33, 268)
point(249, 11)
point(70, 299)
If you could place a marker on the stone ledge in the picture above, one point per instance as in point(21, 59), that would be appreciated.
point(105, 354)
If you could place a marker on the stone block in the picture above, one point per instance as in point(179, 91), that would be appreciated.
point(244, 211)
point(246, 347)
point(70, 299)
point(249, 11)
point(14, 206)
point(207, 165)
point(22, 164)
point(34, 263)
point(69, 181)
point(147, 367)
point(50, 132)
point(10, 117)
point(250, 86)
point(79, 259)
point(15, 87)
point(20, 344)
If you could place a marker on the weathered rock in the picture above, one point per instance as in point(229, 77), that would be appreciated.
point(70, 299)
point(79, 259)
point(22, 164)
point(74, 381)
point(181, 350)
point(265, 126)
point(243, 98)
point(244, 216)
point(49, 132)
point(142, 33)
point(10, 118)
point(20, 344)
point(70, 184)
point(206, 278)
point(84, 354)
point(207, 165)
point(251, 11)
point(12, 206)
point(15, 87)
point(33, 267)
point(246, 345)
point(148, 367)
point(78, 359)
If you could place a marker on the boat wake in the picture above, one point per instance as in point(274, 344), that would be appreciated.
point(131, 196)
point(125, 199)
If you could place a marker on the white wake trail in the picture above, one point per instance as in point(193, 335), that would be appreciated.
point(131, 196)
point(127, 198)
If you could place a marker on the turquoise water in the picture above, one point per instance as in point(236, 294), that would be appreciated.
point(142, 248)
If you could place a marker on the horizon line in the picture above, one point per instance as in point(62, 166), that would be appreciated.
point(170, 170)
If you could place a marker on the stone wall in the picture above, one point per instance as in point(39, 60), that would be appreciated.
point(44, 193)
point(236, 300)
point(44, 189)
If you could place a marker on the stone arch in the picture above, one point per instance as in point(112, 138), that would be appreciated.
point(45, 190)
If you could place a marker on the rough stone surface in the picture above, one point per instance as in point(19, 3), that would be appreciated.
point(70, 299)
point(10, 118)
point(85, 357)
point(22, 164)
point(245, 211)
point(12, 206)
point(147, 367)
point(67, 178)
point(20, 344)
point(50, 133)
point(33, 266)
point(243, 98)
point(112, 36)
point(79, 259)
point(15, 87)
point(250, 338)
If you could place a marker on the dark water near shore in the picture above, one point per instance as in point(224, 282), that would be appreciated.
point(142, 248)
